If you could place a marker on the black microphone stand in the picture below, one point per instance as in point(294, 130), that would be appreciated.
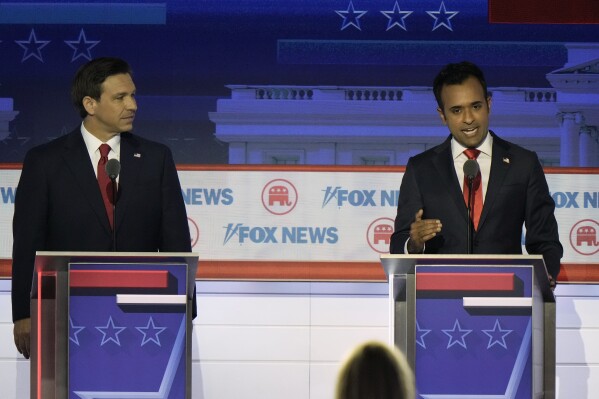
point(470, 223)
point(114, 196)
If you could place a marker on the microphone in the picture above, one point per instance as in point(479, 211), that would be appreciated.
point(113, 168)
point(471, 169)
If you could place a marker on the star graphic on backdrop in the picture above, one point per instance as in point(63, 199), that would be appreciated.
point(152, 334)
point(75, 330)
point(442, 17)
point(351, 16)
point(497, 335)
point(457, 335)
point(32, 47)
point(420, 334)
point(110, 332)
point(82, 46)
point(396, 17)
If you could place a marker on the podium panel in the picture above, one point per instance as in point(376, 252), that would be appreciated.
point(112, 325)
point(474, 326)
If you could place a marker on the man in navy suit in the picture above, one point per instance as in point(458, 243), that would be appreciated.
point(432, 215)
point(59, 204)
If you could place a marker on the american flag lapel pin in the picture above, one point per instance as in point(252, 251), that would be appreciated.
point(506, 160)
point(138, 155)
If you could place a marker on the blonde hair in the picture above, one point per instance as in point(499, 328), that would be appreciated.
point(374, 370)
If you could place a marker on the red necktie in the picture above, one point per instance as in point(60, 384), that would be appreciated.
point(104, 181)
point(476, 200)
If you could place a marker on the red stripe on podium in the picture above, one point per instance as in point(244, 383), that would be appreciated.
point(118, 279)
point(465, 281)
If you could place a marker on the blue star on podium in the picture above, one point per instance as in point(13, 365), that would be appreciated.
point(457, 335)
point(420, 334)
point(150, 332)
point(74, 331)
point(497, 335)
point(110, 332)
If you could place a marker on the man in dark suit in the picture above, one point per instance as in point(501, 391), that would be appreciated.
point(432, 214)
point(59, 205)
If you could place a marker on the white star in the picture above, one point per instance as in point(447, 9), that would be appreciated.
point(32, 47)
point(442, 17)
point(396, 17)
point(111, 331)
point(81, 46)
point(497, 335)
point(351, 16)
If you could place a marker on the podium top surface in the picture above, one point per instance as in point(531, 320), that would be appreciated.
point(405, 264)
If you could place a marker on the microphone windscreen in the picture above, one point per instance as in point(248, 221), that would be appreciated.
point(113, 168)
point(470, 168)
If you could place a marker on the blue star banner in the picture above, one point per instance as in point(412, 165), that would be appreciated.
point(185, 54)
point(127, 331)
point(474, 332)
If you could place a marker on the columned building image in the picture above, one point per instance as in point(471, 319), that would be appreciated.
point(334, 125)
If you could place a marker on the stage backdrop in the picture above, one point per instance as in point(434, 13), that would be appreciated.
point(329, 217)
point(184, 53)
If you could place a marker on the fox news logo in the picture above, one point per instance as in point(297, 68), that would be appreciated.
point(340, 196)
point(280, 235)
point(279, 196)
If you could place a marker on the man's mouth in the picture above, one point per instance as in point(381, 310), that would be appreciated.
point(470, 131)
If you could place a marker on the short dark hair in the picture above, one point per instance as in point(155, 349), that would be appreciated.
point(89, 78)
point(454, 74)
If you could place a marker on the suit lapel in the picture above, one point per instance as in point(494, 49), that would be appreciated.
point(77, 159)
point(446, 169)
point(500, 165)
point(131, 161)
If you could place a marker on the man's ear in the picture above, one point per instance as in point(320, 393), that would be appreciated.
point(489, 103)
point(89, 104)
point(442, 115)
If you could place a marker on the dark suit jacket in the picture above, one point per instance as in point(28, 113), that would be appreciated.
point(517, 194)
point(58, 206)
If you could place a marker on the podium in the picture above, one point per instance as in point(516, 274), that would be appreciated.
point(112, 325)
point(474, 326)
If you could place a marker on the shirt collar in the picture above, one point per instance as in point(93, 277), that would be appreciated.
point(486, 147)
point(93, 143)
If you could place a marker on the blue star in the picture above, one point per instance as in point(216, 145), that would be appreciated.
point(112, 333)
point(153, 334)
point(75, 330)
point(442, 17)
point(497, 335)
point(351, 16)
point(421, 333)
point(396, 17)
point(32, 47)
point(81, 46)
point(457, 335)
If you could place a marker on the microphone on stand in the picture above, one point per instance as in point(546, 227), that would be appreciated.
point(471, 169)
point(113, 168)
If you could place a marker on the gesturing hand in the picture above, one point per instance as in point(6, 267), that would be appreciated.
point(421, 231)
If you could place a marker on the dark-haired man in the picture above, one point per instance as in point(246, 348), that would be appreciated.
point(432, 214)
point(59, 205)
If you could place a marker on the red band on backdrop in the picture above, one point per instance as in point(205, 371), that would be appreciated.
point(544, 11)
